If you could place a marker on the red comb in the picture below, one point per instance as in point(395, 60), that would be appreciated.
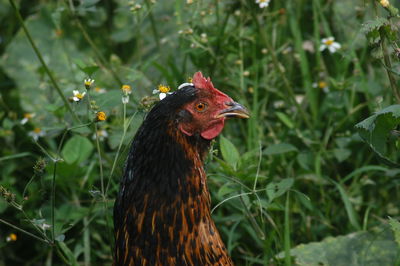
point(201, 82)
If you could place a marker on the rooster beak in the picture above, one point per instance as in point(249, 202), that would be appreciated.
point(234, 110)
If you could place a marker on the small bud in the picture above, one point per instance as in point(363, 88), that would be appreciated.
point(40, 166)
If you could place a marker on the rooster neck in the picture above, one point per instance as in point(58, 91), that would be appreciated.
point(162, 214)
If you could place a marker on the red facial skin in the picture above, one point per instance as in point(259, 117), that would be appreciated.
point(209, 103)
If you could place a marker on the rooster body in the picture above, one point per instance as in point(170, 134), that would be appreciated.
point(162, 213)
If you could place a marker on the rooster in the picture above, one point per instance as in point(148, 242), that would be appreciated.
point(162, 212)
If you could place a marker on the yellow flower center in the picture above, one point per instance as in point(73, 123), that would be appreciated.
point(322, 84)
point(28, 115)
point(163, 88)
point(97, 89)
point(88, 83)
point(79, 96)
point(12, 237)
point(101, 116)
point(126, 89)
point(37, 130)
point(190, 79)
point(329, 42)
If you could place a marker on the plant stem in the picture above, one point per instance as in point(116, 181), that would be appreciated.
point(153, 26)
point(23, 231)
point(53, 201)
point(388, 66)
point(126, 125)
point(103, 62)
point(100, 161)
point(288, 260)
point(39, 55)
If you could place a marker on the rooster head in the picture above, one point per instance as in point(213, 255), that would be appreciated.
point(206, 114)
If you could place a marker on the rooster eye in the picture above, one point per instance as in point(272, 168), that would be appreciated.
point(201, 107)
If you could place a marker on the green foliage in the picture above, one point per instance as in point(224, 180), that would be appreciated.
point(296, 172)
point(396, 229)
point(76, 150)
point(379, 132)
point(229, 152)
point(359, 248)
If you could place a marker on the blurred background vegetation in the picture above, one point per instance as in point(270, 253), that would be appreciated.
point(294, 184)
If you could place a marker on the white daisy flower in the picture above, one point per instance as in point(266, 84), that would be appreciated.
point(26, 118)
point(321, 85)
point(100, 90)
point(78, 96)
point(126, 90)
point(163, 91)
point(330, 44)
point(36, 133)
point(263, 3)
point(88, 83)
point(102, 134)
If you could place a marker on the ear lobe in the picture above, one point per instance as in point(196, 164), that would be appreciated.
point(185, 131)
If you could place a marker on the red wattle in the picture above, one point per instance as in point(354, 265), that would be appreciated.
point(213, 131)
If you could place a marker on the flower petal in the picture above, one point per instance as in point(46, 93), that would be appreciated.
point(336, 45)
point(162, 95)
point(332, 49)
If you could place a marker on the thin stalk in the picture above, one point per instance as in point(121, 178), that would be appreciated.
point(53, 202)
point(253, 221)
point(258, 167)
point(39, 55)
point(236, 196)
point(388, 65)
point(97, 52)
point(100, 161)
point(288, 260)
point(153, 25)
point(61, 255)
point(287, 86)
point(23, 231)
point(126, 126)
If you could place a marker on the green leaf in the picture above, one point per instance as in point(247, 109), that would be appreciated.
point(60, 238)
point(285, 119)
point(229, 151)
point(360, 248)
point(376, 130)
point(373, 25)
point(277, 189)
point(279, 149)
point(396, 229)
point(68, 253)
point(352, 215)
point(76, 150)
point(341, 154)
point(227, 189)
